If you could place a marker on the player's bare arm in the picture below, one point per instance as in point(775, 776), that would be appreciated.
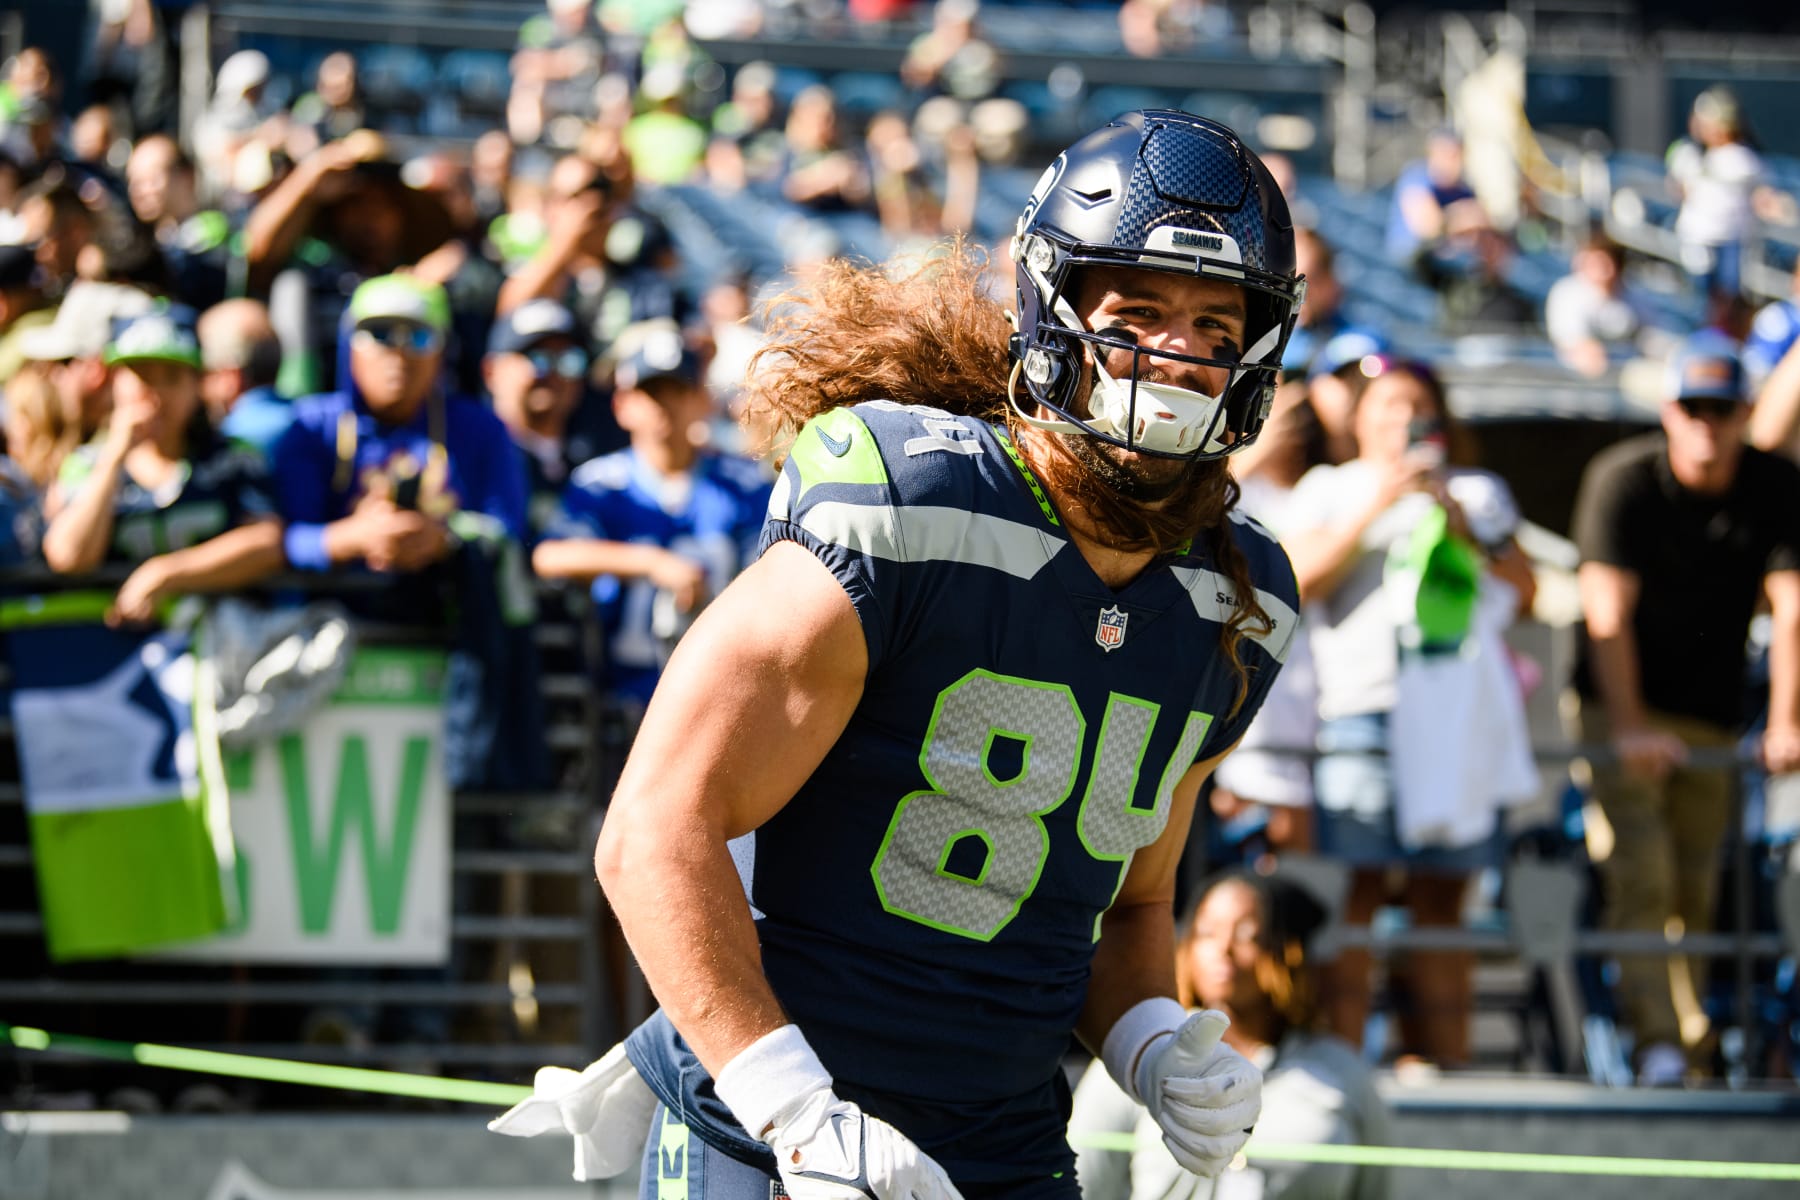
point(754, 696)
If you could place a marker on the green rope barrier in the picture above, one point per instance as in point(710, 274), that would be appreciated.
point(1478, 1160)
point(274, 1070)
point(469, 1091)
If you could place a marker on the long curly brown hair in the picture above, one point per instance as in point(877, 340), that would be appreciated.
point(932, 334)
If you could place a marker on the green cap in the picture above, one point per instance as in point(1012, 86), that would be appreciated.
point(157, 336)
point(401, 298)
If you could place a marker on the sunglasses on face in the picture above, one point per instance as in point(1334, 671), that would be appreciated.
point(400, 335)
point(565, 364)
point(1709, 408)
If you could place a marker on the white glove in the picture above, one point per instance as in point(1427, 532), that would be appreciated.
point(606, 1107)
point(825, 1148)
point(1204, 1095)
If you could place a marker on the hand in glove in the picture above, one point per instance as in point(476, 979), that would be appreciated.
point(607, 1108)
point(825, 1148)
point(1204, 1095)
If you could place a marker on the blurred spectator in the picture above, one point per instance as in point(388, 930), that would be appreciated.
point(1321, 313)
point(1425, 194)
point(94, 135)
point(53, 218)
point(1773, 333)
point(162, 491)
point(41, 429)
point(575, 265)
point(818, 172)
point(73, 345)
point(371, 473)
point(241, 358)
point(1154, 28)
point(912, 213)
point(1468, 270)
point(235, 114)
point(1246, 953)
point(561, 55)
point(31, 135)
point(1352, 531)
point(536, 368)
point(666, 145)
point(1681, 533)
point(736, 335)
point(662, 525)
point(491, 174)
point(952, 58)
point(30, 75)
point(163, 186)
point(131, 62)
point(1721, 181)
point(746, 134)
point(332, 110)
point(1588, 309)
point(22, 306)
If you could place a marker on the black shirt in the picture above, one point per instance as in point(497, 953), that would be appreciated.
point(1700, 561)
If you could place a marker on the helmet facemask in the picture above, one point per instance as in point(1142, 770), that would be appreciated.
point(1142, 414)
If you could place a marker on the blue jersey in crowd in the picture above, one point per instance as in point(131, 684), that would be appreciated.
point(711, 514)
point(930, 898)
point(455, 455)
point(1772, 335)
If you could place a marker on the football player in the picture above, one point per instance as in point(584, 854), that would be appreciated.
point(1003, 625)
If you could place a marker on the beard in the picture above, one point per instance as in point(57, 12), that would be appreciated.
point(1137, 503)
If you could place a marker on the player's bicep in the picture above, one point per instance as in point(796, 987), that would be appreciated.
point(754, 696)
point(1151, 876)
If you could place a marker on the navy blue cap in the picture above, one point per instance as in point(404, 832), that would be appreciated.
point(533, 322)
point(654, 350)
point(1708, 366)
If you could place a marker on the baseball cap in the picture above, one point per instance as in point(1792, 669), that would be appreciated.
point(1708, 366)
point(654, 350)
point(82, 324)
point(1351, 346)
point(400, 298)
point(163, 335)
point(18, 266)
point(532, 322)
point(241, 72)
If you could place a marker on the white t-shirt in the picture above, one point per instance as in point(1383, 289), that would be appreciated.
point(1355, 630)
point(1716, 186)
point(1576, 311)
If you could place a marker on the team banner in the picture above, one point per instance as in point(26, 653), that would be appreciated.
point(129, 833)
point(342, 827)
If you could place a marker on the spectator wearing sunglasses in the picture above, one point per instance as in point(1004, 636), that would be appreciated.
point(380, 472)
point(536, 371)
point(663, 524)
point(1681, 533)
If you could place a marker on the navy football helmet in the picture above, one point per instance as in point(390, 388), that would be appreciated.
point(1159, 190)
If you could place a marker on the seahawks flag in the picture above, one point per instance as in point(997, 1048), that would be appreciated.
point(132, 847)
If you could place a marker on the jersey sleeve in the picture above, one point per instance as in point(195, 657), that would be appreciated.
point(1261, 653)
point(834, 498)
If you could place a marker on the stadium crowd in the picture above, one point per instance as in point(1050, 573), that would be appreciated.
point(285, 340)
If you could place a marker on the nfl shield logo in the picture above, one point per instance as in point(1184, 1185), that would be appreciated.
point(1110, 633)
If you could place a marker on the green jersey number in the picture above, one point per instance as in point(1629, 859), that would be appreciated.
point(913, 871)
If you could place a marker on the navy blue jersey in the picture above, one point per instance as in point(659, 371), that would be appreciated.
point(931, 897)
point(222, 486)
point(710, 514)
